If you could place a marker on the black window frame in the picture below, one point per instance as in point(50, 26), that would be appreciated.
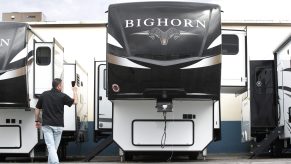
point(39, 55)
point(232, 46)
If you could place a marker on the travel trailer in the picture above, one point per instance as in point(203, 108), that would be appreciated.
point(28, 66)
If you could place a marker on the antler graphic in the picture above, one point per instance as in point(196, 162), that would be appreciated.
point(164, 36)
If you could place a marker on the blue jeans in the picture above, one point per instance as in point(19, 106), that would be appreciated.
point(52, 137)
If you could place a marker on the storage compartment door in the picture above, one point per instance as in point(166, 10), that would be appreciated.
point(150, 132)
point(43, 67)
point(10, 137)
point(103, 107)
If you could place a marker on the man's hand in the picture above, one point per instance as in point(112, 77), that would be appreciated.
point(75, 96)
point(75, 88)
point(37, 124)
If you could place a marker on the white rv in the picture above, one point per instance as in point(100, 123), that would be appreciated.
point(28, 64)
point(263, 113)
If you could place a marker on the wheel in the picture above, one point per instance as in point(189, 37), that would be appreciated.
point(193, 155)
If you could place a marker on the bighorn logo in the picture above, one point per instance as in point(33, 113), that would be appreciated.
point(163, 36)
point(4, 42)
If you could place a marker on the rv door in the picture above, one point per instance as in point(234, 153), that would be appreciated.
point(48, 64)
point(234, 61)
point(103, 107)
point(43, 67)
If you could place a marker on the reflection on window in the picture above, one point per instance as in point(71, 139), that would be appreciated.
point(230, 44)
point(43, 56)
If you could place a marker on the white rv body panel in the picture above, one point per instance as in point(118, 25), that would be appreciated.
point(18, 136)
point(283, 62)
point(246, 120)
point(103, 107)
point(43, 73)
point(58, 60)
point(126, 112)
point(233, 69)
point(69, 112)
point(76, 116)
point(82, 105)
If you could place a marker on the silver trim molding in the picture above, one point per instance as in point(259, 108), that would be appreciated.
point(13, 73)
point(111, 40)
point(123, 62)
point(205, 62)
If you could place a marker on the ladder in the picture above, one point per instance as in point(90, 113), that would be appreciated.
point(100, 147)
point(261, 147)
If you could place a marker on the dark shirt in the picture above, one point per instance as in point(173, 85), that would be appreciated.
point(52, 103)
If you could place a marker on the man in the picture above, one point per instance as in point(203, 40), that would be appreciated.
point(52, 103)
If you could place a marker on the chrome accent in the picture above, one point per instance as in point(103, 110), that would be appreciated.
point(111, 40)
point(164, 36)
point(166, 62)
point(22, 54)
point(13, 73)
point(216, 42)
point(205, 62)
point(123, 62)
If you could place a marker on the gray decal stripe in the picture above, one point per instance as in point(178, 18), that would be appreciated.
point(123, 62)
point(205, 62)
point(13, 73)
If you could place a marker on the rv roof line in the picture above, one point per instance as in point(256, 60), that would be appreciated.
point(283, 44)
point(35, 33)
point(286, 23)
point(68, 24)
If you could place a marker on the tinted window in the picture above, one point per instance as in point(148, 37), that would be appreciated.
point(43, 56)
point(229, 44)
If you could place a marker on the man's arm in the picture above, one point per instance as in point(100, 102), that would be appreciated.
point(75, 95)
point(37, 118)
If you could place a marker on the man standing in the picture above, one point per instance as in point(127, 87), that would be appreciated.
point(52, 103)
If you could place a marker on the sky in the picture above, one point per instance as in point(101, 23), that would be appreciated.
point(94, 10)
point(66, 10)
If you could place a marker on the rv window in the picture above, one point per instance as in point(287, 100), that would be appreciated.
point(229, 44)
point(43, 56)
